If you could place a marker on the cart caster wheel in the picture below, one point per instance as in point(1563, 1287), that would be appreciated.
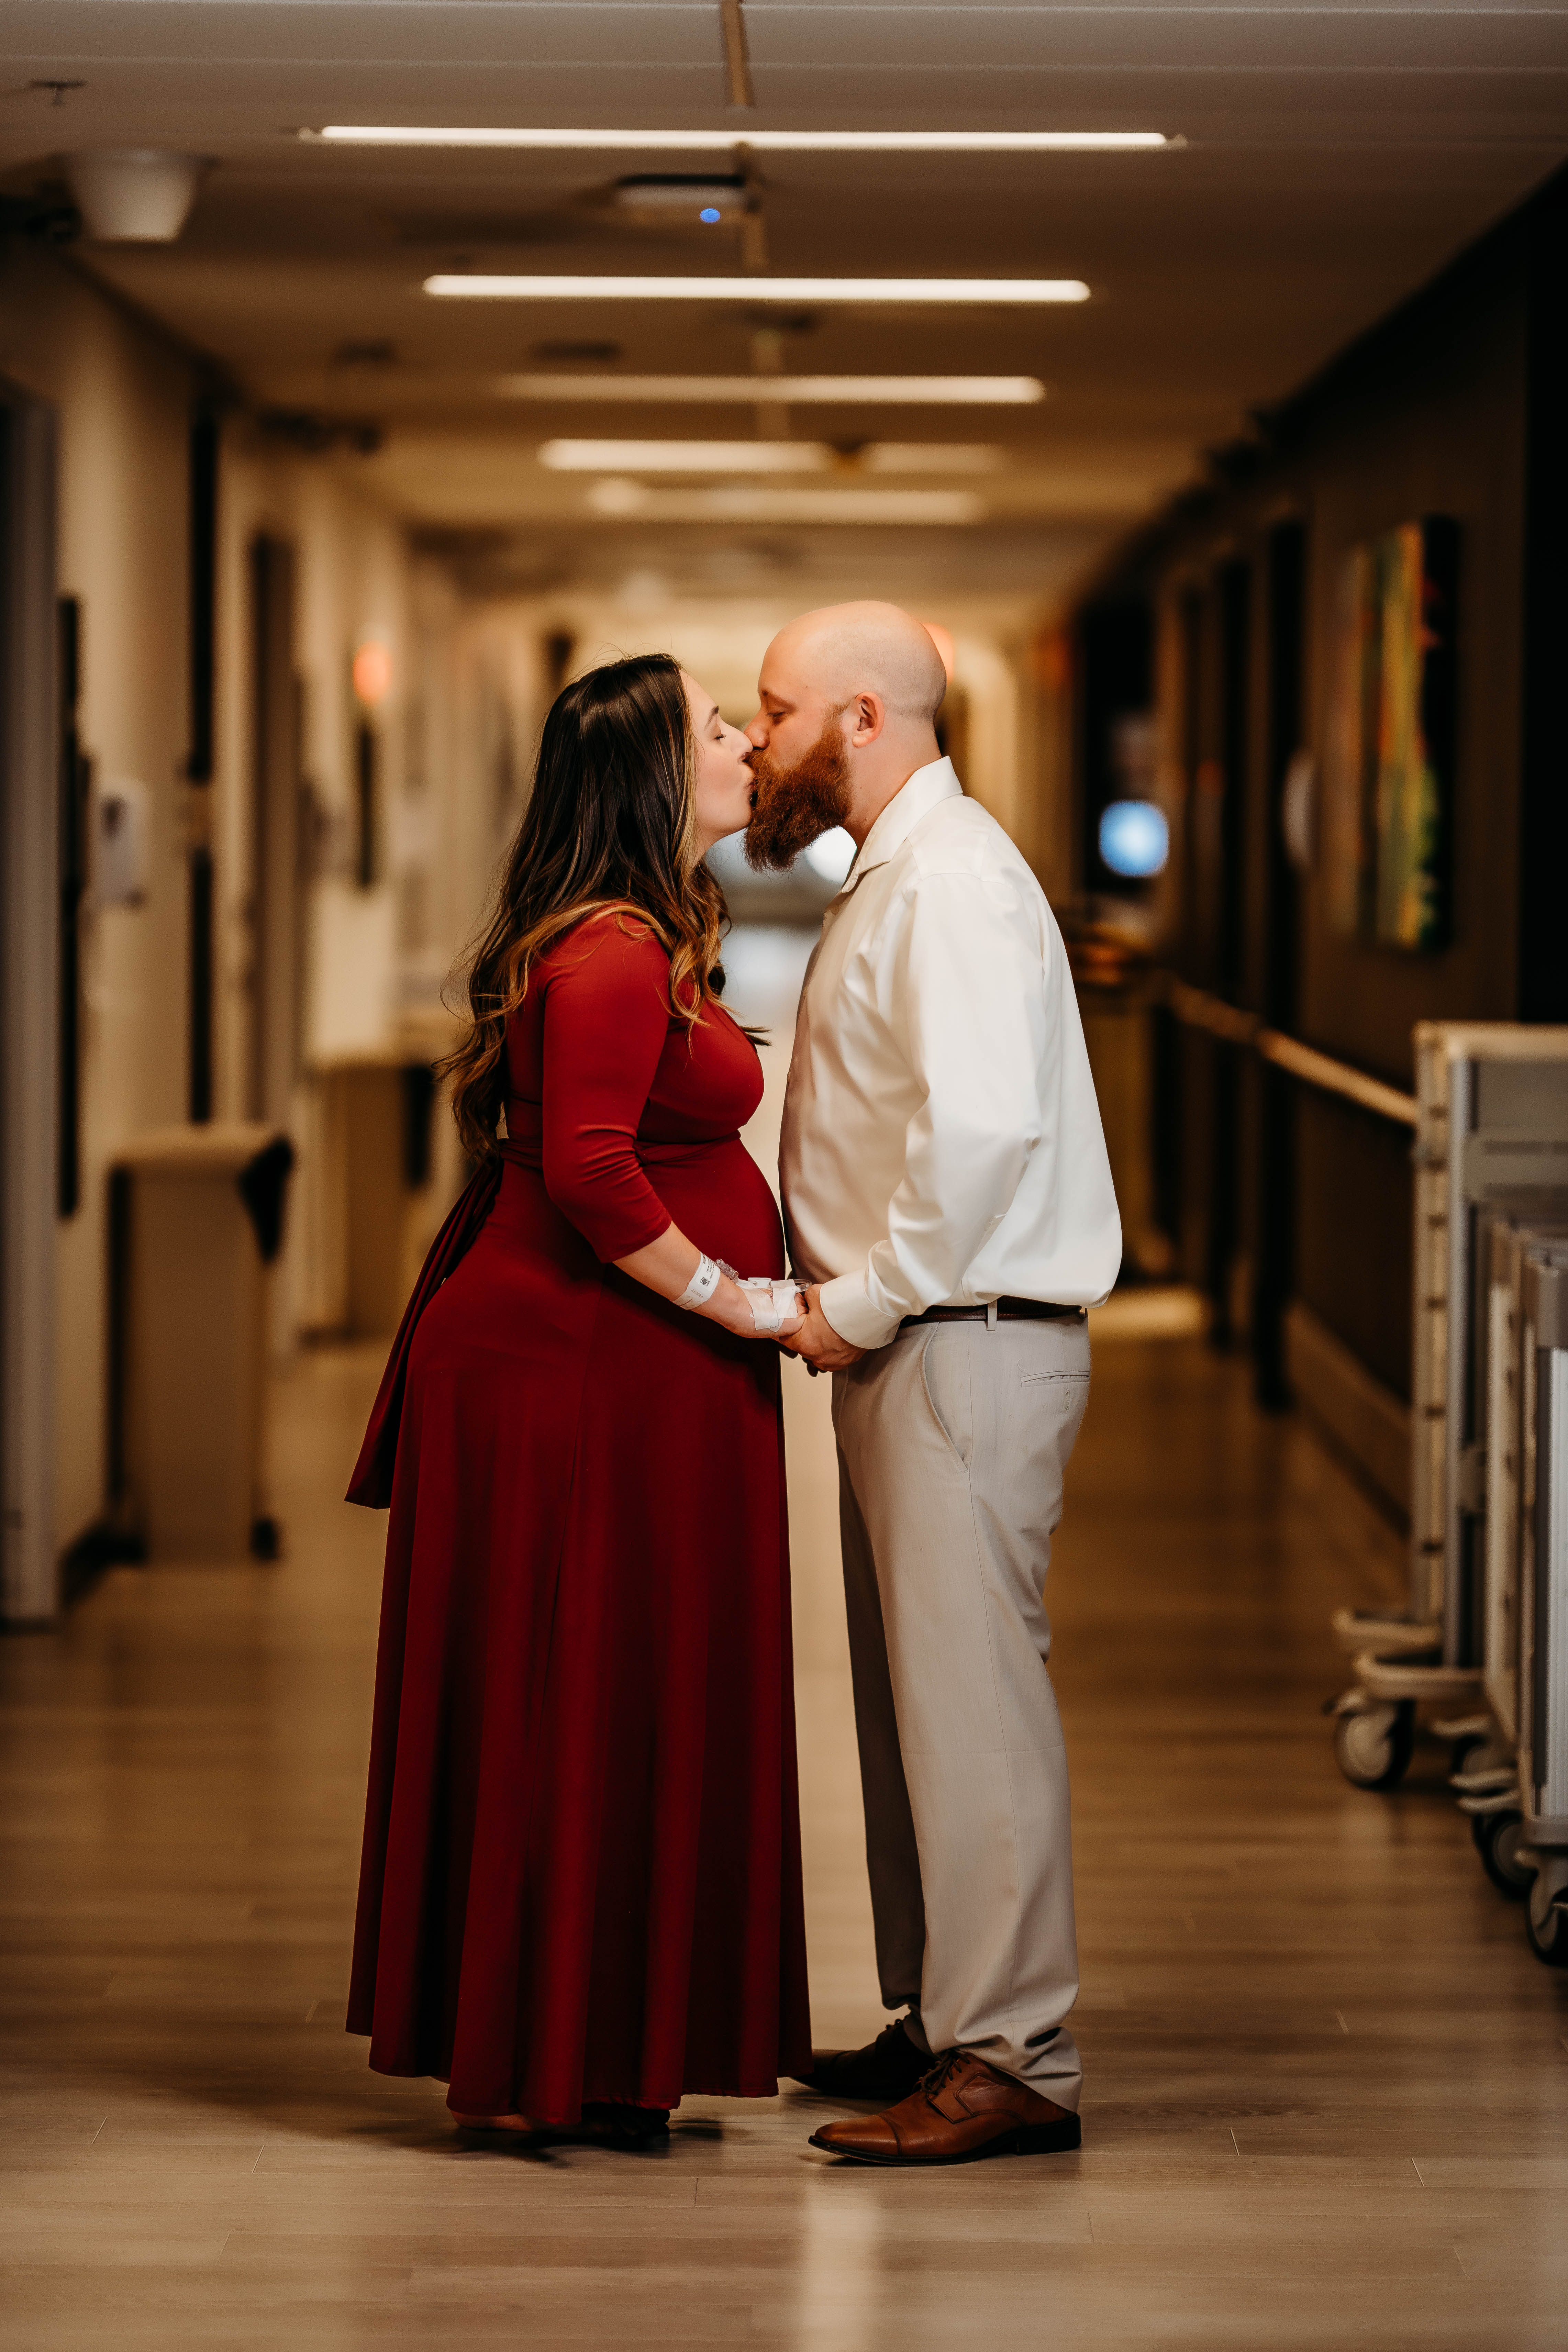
point(1546, 1921)
point(1497, 1841)
point(1373, 1749)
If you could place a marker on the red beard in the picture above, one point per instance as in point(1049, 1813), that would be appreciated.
point(794, 806)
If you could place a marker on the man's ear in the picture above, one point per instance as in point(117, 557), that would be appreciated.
point(867, 716)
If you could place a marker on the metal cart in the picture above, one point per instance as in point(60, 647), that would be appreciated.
point(1544, 1598)
point(1492, 1142)
point(1488, 1779)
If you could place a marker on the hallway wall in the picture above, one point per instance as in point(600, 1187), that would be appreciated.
point(122, 395)
point(354, 583)
point(1425, 416)
point(124, 392)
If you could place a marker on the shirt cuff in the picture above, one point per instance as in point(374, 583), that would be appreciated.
point(845, 1303)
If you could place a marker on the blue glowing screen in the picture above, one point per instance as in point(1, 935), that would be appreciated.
point(709, 213)
point(1134, 838)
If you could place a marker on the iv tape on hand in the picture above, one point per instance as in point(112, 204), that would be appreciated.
point(772, 1303)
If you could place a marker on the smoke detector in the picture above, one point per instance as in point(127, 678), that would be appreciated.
point(141, 195)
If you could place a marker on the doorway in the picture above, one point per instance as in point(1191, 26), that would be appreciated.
point(277, 915)
point(29, 1041)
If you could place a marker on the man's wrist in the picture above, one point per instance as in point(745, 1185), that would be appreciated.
point(843, 1304)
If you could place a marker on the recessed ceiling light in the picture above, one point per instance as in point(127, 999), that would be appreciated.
point(766, 458)
point(795, 391)
point(871, 143)
point(746, 502)
point(482, 286)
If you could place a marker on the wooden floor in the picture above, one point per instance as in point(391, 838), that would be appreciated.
point(1326, 2103)
point(1327, 2094)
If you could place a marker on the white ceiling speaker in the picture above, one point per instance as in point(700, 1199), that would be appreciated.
point(141, 193)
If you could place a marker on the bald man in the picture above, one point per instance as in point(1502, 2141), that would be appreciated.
point(950, 1208)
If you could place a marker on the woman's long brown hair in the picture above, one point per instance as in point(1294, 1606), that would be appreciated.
point(609, 824)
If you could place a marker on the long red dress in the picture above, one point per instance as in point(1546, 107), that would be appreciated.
point(581, 1878)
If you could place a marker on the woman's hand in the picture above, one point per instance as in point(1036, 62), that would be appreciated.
point(666, 1266)
point(760, 1308)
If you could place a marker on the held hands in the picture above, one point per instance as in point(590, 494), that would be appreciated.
point(815, 1341)
point(758, 1308)
point(755, 1305)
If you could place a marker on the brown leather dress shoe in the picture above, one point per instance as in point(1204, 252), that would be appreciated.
point(965, 2109)
point(887, 2069)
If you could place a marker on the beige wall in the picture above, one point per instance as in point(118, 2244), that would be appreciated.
point(355, 579)
point(123, 394)
point(122, 398)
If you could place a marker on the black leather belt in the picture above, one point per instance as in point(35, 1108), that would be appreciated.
point(1008, 1310)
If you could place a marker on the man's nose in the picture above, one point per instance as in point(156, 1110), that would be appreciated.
point(757, 733)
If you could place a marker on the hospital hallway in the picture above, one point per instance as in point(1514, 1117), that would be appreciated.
point(379, 378)
point(1326, 2092)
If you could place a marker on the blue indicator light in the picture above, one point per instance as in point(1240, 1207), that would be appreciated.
point(709, 213)
point(1134, 839)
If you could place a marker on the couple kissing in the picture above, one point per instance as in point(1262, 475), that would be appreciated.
point(580, 1895)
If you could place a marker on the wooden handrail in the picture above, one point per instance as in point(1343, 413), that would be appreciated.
point(1196, 1009)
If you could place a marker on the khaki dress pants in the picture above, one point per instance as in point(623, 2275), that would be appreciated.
point(952, 1441)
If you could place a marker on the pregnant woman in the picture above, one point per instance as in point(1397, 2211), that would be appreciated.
point(580, 1893)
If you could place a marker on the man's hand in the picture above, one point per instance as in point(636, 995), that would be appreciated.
point(817, 1342)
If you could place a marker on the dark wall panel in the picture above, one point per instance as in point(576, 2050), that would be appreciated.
point(1353, 1234)
point(1442, 432)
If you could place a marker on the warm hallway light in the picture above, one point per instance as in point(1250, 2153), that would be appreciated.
point(372, 670)
point(794, 391)
point(764, 457)
point(856, 142)
point(941, 638)
point(483, 286)
point(623, 500)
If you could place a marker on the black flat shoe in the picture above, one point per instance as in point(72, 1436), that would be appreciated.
point(616, 2124)
point(887, 2069)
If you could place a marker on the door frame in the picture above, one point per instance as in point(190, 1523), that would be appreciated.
point(29, 1042)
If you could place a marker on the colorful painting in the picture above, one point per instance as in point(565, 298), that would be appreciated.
point(1390, 755)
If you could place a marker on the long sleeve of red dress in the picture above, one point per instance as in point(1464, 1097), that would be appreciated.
point(606, 1021)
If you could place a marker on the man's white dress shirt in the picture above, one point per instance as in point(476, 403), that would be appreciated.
point(942, 1142)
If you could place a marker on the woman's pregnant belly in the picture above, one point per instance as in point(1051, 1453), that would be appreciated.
point(530, 1286)
point(719, 1198)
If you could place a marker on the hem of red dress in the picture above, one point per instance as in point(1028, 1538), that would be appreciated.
point(599, 2096)
point(669, 2100)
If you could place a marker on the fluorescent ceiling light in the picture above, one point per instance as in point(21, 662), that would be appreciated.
point(857, 143)
point(479, 286)
point(794, 391)
point(745, 502)
point(766, 458)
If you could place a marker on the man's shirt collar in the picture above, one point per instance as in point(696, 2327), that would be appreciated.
point(936, 782)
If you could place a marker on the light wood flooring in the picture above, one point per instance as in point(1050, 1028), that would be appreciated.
point(1327, 2098)
point(1327, 2084)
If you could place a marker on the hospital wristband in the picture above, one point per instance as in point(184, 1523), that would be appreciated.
point(703, 1285)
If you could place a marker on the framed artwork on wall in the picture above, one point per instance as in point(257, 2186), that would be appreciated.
point(1389, 764)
